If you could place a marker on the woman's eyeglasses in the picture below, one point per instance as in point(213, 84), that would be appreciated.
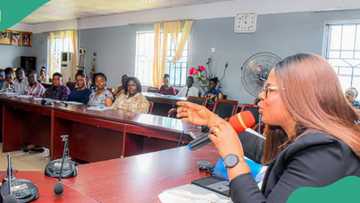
point(267, 89)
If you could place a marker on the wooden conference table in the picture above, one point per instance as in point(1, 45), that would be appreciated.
point(162, 103)
point(93, 135)
point(138, 178)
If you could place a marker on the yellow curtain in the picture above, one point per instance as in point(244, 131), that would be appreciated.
point(74, 42)
point(184, 38)
point(62, 41)
point(157, 64)
point(171, 33)
point(53, 63)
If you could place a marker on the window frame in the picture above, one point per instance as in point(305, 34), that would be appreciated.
point(167, 67)
point(136, 52)
point(51, 70)
point(327, 49)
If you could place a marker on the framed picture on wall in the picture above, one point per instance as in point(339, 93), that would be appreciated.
point(5, 37)
point(15, 38)
point(26, 39)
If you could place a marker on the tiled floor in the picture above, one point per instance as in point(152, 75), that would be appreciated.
point(24, 161)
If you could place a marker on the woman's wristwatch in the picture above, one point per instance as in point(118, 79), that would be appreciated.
point(231, 160)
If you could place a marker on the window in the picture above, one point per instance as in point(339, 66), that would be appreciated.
point(59, 42)
point(178, 70)
point(144, 57)
point(343, 52)
point(144, 60)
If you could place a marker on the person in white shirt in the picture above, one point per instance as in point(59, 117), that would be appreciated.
point(189, 89)
point(21, 82)
point(35, 88)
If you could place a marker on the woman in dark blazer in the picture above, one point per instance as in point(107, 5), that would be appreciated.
point(312, 138)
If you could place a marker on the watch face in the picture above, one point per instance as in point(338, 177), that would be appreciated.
point(231, 160)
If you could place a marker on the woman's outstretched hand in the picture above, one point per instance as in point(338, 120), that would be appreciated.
point(222, 134)
point(197, 114)
point(227, 142)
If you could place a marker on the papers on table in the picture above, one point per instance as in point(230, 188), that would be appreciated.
point(73, 103)
point(9, 93)
point(98, 108)
point(24, 96)
point(191, 193)
point(38, 98)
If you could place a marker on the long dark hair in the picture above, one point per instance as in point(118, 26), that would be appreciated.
point(311, 92)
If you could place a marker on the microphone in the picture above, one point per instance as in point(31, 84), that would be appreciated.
point(240, 122)
point(46, 102)
point(64, 104)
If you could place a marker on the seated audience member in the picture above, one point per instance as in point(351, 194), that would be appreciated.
point(21, 82)
point(166, 88)
point(132, 100)
point(101, 95)
point(189, 89)
point(43, 75)
point(214, 93)
point(9, 80)
point(57, 91)
point(351, 95)
point(35, 88)
point(2, 78)
point(80, 93)
point(121, 89)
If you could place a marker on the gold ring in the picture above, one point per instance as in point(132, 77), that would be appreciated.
point(216, 130)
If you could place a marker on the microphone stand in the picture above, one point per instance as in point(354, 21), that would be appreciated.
point(59, 188)
point(9, 197)
point(23, 190)
point(68, 168)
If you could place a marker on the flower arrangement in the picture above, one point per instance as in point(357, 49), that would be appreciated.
point(203, 74)
point(200, 74)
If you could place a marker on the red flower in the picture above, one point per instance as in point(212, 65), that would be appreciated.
point(202, 68)
point(192, 71)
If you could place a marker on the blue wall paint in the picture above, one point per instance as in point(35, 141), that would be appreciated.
point(283, 34)
point(10, 55)
point(114, 48)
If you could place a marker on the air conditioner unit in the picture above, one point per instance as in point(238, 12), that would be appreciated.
point(66, 59)
point(66, 65)
point(81, 61)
